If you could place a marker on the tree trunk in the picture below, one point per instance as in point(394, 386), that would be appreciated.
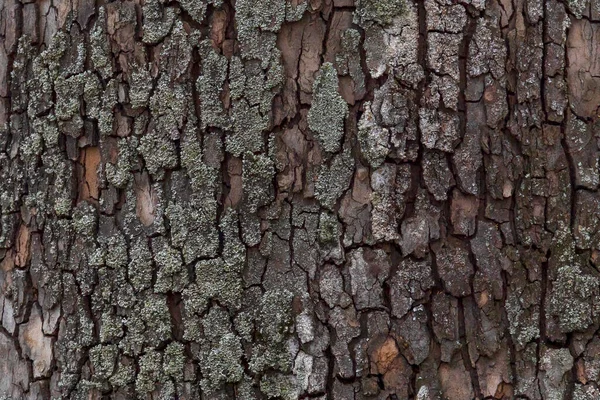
point(260, 199)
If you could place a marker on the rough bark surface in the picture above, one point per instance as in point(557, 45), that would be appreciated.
point(329, 199)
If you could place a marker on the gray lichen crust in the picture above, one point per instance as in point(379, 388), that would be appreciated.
point(328, 109)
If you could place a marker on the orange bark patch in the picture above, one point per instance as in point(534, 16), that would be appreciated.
point(145, 200)
point(595, 257)
point(236, 192)
point(219, 25)
point(504, 391)
point(384, 355)
point(482, 298)
point(463, 211)
point(580, 371)
point(36, 346)
point(361, 189)
point(387, 361)
point(455, 381)
point(89, 159)
point(583, 69)
point(494, 375)
point(23, 241)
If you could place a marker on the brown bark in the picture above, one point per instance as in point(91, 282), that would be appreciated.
point(330, 199)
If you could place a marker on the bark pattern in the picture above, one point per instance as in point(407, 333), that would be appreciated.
point(273, 199)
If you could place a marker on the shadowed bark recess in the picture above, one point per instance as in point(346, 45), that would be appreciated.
point(293, 199)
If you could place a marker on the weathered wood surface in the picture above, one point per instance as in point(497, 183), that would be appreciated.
point(329, 199)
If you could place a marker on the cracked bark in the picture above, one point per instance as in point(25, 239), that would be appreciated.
point(329, 199)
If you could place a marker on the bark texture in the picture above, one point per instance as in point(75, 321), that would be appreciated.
point(274, 199)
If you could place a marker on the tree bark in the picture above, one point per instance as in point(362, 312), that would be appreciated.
point(329, 199)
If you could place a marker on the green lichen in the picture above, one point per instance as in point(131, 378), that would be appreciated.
point(176, 53)
point(68, 98)
point(112, 289)
point(328, 228)
point(149, 323)
point(203, 178)
point(85, 389)
point(197, 8)
point(251, 233)
point(61, 191)
point(222, 351)
point(171, 274)
point(124, 375)
point(167, 390)
point(194, 304)
point(105, 113)
point(140, 267)
point(100, 46)
point(373, 139)
point(158, 151)
point(103, 359)
point(31, 147)
point(116, 250)
point(271, 356)
point(379, 12)
point(244, 325)
point(140, 86)
point(193, 229)
point(245, 389)
point(248, 126)
point(37, 200)
point(223, 363)
point(221, 278)
point(46, 126)
point(210, 85)
point(577, 7)
point(237, 78)
point(572, 288)
point(328, 110)
point(257, 21)
point(523, 327)
point(99, 102)
point(96, 258)
point(150, 372)
point(295, 12)
point(274, 324)
point(585, 392)
point(280, 386)
point(168, 105)
point(267, 15)
point(254, 83)
point(257, 174)
point(158, 21)
point(77, 66)
point(263, 81)
point(120, 174)
point(92, 95)
point(569, 301)
point(216, 280)
point(216, 324)
point(348, 59)
point(19, 76)
point(334, 180)
point(49, 59)
point(111, 327)
point(255, 80)
point(174, 361)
